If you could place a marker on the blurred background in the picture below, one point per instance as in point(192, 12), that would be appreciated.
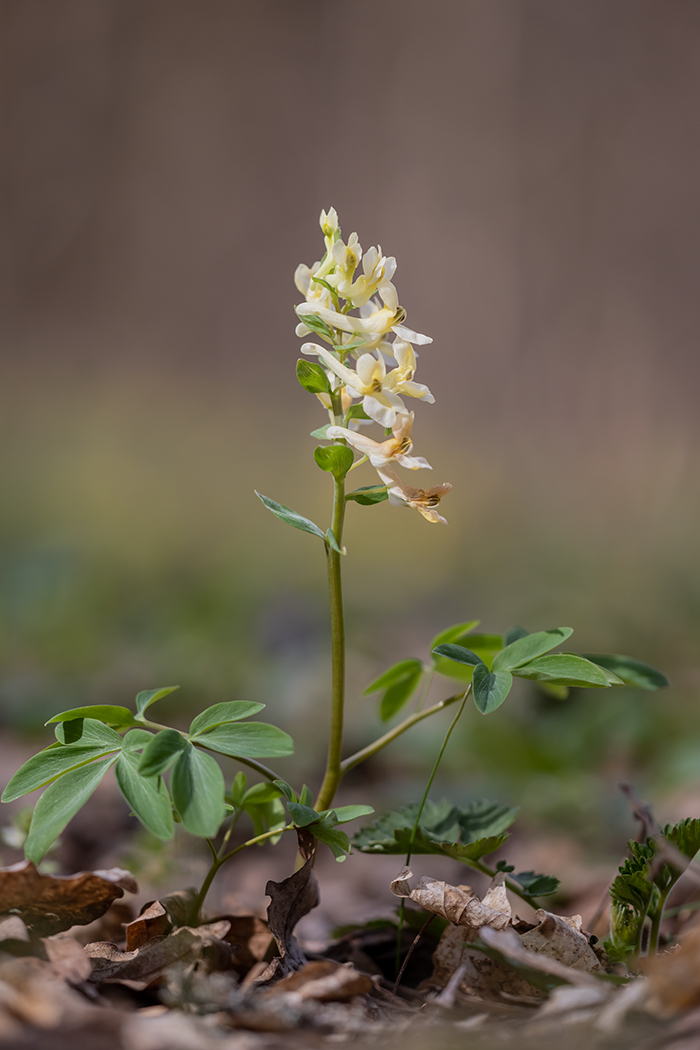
point(533, 165)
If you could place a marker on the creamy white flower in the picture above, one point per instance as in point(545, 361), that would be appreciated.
point(425, 501)
point(395, 450)
point(368, 382)
point(376, 324)
point(378, 271)
point(312, 291)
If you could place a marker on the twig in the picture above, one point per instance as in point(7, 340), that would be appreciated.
point(409, 953)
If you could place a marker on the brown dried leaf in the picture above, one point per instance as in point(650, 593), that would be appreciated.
point(555, 945)
point(12, 928)
point(325, 981)
point(291, 900)
point(152, 922)
point(562, 939)
point(68, 958)
point(459, 905)
point(251, 941)
point(142, 966)
point(51, 903)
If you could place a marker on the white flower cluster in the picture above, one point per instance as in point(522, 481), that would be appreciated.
point(331, 291)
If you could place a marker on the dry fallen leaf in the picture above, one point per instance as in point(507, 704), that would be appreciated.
point(51, 903)
point(456, 903)
point(152, 922)
point(291, 900)
point(142, 966)
point(324, 981)
point(555, 946)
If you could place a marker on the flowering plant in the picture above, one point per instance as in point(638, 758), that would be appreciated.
point(362, 372)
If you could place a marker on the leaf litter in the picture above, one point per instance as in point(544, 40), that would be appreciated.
point(240, 983)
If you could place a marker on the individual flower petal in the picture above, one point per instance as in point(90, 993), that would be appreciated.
point(410, 336)
point(425, 501)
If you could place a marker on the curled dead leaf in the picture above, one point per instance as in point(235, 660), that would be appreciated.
point(152, 922)
point(455, 903)
point(51, 903)
point(290, 901)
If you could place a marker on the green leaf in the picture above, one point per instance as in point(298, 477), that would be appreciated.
point(136, 739)
point(290, 516)
point(355, 411)
point(312, 377)
point(454, 633)
point(306, 797)
point(399, 682)
point(286, 789)
point(513, 633)
point(261, 793)
point(368, 495)
point(537, 885)
point(147, 796)
point(248, 739)
point(337, 841)
point(473, 851)
point(55, 761)
point(490, 688)
point(685, 836)
point(87, 731)
point(397, 673)
point(333, 543)
point(197, 788)
point(161, 752)
point(231, 711)
point(485, 646)
point(236, 795)
point(397, 695)
point(564, 669)
point(325, 284)
point(440, 821)
point(302, 816)
point(149, 696)
point(343, 814)
point(59, 804)
point(321, 432)
point(336, 459)
point(267, 816)
point(352, 345)
point(632, 672)
point(528, 647)
point(458, 654)
point(316, 324)
point(119, 717)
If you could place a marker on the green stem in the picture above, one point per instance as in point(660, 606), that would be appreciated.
point(431, 778)
point(334, 771)
point(221, 860)
point(419, 814)
point(381, 742)
point(656, 924)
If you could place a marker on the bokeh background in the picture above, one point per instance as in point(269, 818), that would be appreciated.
point(534, 167)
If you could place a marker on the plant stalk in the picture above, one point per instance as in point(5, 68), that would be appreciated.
point(419, 814)
point(381, 742)
point(334, 771)
point(220, 859)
